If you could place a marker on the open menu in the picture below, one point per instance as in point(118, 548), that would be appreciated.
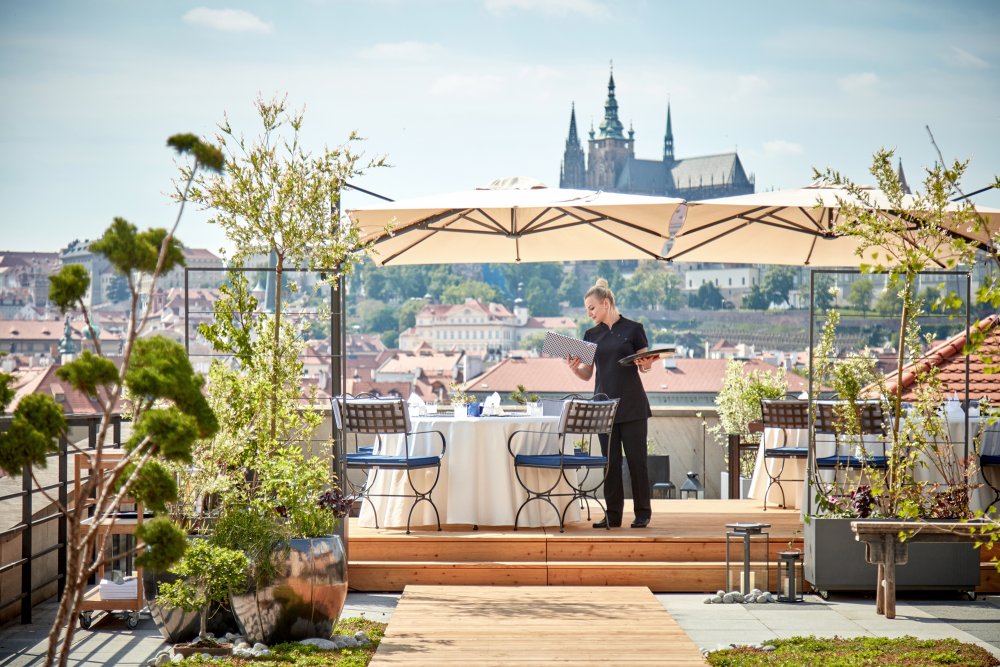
point(558, 345)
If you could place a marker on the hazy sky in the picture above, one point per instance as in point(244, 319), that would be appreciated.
point(457, 93)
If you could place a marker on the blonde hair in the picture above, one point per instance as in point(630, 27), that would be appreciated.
point(601, 291)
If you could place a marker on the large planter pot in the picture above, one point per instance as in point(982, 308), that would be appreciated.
point(176, 625)
point(835, 561)
point(724, 486)
point(304, 600)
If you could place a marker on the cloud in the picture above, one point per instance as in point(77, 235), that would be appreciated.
point(861, 83)
point(777, 147)
point(227, 20)
point(588, 8)
point(406, 51)
point(466, 84)
point(962, 58)
point(750, 84)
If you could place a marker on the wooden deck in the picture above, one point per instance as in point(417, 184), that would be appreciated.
point(533, 626)
point(682, 551)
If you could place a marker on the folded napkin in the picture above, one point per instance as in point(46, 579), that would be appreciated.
point(126, 590)
point(414, 401)
point(491, 405)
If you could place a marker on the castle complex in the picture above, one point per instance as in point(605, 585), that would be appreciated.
point(611, 165)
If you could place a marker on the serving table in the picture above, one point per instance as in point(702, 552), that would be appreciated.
point(478, 486)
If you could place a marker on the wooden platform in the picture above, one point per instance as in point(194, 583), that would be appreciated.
point(533, 626)
point(682, 551)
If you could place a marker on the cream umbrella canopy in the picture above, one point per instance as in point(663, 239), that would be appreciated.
point(516, 220)
point(793, 227)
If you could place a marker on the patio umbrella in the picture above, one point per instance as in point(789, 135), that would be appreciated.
point(516, 220)
point(787, 227)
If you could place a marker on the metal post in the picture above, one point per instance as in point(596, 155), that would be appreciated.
point(61, 522)
point(187, 341)
point(26, 546)
point(734, 466)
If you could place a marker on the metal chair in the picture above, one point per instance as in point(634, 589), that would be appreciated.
point(989, 457)
point(381, 417)
point(580, 417)
point(783, 415)
point(871, 421)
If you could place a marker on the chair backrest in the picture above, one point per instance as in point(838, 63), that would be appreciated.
point(372, 415)
point(785, 413)
point(871, 418)
point(587, 417)
point(989, 440)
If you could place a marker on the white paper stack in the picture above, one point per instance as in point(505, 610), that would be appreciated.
point(126, 590)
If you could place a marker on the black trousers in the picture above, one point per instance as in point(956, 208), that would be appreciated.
point(630, 437)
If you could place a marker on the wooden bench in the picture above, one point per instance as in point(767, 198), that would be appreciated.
point(884, 547)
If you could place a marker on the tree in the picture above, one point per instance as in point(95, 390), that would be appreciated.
point(756, 299)
point(376, 316)
point(118, 289)
point(778, 282)
point(470, 289)
point(278, 200)
point(823, 296)
point(888, 303)
point(169, 411)
point(859, 297)
point(708, 297)
point(406, 316)
point(651, 287)
point(533, 341)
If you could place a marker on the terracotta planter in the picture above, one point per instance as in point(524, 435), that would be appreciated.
point(304, 600)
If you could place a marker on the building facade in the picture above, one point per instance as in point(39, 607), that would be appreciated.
point(611, 165)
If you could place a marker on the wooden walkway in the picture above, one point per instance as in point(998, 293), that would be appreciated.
point(531, 626)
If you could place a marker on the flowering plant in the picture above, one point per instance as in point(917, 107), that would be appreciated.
point(458, 395)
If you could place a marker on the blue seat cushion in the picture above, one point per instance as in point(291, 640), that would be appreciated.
point(786, 452)
point(843, 461)
point(556, 461)
point(378, 460)
point(989, 460)
point(366, 450)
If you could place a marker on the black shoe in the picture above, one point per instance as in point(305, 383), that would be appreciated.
point(603, 523)
point(640, 523)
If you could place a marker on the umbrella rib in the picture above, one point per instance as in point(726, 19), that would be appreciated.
point(725, 232)
point(721, 221)
point(609, 218)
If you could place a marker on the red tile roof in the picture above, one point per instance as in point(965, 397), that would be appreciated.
point(948, 357)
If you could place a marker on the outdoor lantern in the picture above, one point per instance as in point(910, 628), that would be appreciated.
point(663, 490)
point(748, 534)
point(692, 488)
point(788, 584)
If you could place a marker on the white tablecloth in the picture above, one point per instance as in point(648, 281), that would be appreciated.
point(477, 485)
point(795, 493)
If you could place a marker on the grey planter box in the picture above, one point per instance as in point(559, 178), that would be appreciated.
point(835, 561)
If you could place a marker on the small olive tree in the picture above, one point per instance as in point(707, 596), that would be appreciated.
point(169, 411)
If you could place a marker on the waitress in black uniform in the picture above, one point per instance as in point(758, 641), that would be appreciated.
point(619, 337)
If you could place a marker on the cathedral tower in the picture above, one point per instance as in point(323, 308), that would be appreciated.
point(609, 150)
point(574, 172)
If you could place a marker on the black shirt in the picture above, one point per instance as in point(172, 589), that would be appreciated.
point(623, 338)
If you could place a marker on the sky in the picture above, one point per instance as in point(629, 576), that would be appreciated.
point(457, 93)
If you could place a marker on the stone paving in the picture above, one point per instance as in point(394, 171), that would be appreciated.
point(711, 627)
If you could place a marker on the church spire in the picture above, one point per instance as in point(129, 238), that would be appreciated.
point(573, 138)
point(611, 127)
point(902, 178)
point(574, 169)
point(668, 139)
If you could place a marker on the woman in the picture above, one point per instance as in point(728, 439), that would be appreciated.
point(619, 337)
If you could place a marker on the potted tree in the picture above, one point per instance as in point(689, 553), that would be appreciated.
point(738, 407)
point(280, 201)
point(833, 559)
point(206, 575)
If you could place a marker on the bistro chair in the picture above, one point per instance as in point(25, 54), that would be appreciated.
point(783, 415)
point(989, 458)
point(871, 422)
point(580, 418)
point(384, 417)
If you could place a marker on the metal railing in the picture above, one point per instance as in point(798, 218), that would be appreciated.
point(28, 525)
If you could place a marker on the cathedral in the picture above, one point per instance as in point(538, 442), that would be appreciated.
point(611, 165)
